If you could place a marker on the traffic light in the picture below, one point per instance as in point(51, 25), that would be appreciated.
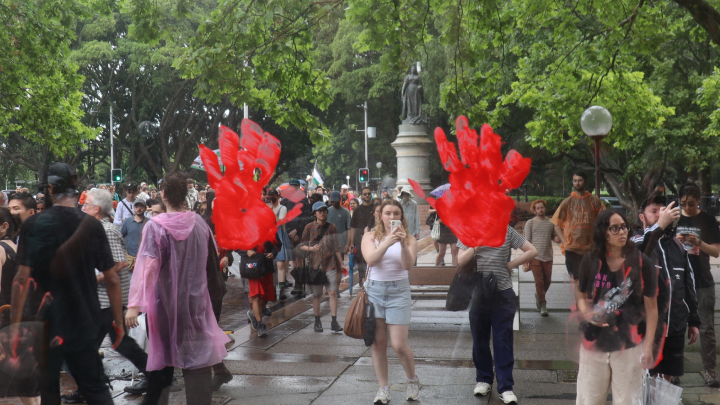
point(363, 175)
point(116, 175)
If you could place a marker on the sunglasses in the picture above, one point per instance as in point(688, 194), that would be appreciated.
point(616, 229)
point(366, 193)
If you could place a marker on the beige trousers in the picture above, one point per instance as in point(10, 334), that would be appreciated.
point(599, 371)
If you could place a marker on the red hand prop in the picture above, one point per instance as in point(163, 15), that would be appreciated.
point(242, 220)
point(475, 206)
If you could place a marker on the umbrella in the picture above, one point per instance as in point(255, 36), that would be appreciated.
point(438, 192)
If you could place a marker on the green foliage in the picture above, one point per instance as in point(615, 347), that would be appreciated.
point(40, 93)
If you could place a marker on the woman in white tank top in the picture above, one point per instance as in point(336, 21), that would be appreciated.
point(389, 256)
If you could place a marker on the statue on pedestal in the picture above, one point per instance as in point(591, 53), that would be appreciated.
point(412, 97)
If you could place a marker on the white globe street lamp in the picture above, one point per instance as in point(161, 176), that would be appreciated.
point(596, 122)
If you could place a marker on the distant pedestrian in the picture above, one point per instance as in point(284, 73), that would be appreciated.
point(698, 231)
point(362, 218)
point(574, 221)
point(296, 227)
point(354, 203)
point(144, 192)
point(192, 194)
point(320, 240)
point(410, 210)
point(541, 232)
point(340, 217)
point(284, 255)
point(124, 208)
point(23, 205)
point(262, 290)
point(390, 253)
point(155, 207)
point(131, 230)
point(615, 348)
point(345, 197)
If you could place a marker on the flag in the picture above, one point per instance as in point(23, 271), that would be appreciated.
point(317, 177)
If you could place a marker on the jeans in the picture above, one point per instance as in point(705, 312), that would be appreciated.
point(542, 273)
point(496, 315)
point(706, 309)
point(198, 386)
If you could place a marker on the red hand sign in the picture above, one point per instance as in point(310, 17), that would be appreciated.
point(242, 220)
point(476, 206)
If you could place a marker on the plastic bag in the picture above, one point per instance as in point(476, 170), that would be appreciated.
point(657, 391)
point(139, 333)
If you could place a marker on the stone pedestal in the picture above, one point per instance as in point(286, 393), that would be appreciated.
point(413, 160)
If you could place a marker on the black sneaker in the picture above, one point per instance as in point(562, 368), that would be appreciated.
point(219, 379)
point(318, 326)
point(266, 311)
point(335, 326)
point(288, 284)
point(282, 295)
point(262, 330)
point(138, 388)
point(74, 398)
point(252, 320)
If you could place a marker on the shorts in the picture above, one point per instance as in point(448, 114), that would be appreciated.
point(130, 262)
point(287, 247)
point(572, 263)
point(317, 289)
point(263, 287)
point(673, 357)
point(391, 300)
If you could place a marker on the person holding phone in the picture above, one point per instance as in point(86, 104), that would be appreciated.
point(698, 232)
point(390, 252)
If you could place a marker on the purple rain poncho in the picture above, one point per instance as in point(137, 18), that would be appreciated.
point(170, 284)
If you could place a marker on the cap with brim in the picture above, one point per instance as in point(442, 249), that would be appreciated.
point(334, 196)
point(318, 205)
point(344, 186)
point(140, 201)
point(294, 182)
point(61, 176)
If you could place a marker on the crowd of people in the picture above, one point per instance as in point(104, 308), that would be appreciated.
point(77, 267)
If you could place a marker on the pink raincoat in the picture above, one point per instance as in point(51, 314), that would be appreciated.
point(170, 284)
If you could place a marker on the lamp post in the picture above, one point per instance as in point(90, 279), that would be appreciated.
point(347, 180)
point(596, 122)
point(367, 131)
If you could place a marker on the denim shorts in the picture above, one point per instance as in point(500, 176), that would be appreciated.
point(391, 300)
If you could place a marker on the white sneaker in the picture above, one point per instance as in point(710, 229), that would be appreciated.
point(481, 389)
point(508, 397)
point(412, 393)
point(382, 397)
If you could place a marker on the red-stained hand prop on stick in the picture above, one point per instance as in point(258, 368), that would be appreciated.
point(242, 220)
point(475, 206)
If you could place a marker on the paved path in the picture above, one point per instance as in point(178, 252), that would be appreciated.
point(295, 365)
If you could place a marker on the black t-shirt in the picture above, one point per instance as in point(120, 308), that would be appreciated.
point(63, 246)
point(362, 217)
point(628, 322)
point(705, 226)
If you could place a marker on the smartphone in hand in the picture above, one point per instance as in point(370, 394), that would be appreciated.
point(394, 224)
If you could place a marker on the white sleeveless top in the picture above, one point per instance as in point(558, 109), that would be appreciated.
point(390, 267)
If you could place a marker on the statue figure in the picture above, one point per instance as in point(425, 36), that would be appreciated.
point(412, 97)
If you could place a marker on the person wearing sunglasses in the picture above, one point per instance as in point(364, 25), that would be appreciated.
point(698, 231)
point(362, 218)
point(617, 305)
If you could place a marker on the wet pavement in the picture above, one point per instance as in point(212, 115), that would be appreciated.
point(295, 365)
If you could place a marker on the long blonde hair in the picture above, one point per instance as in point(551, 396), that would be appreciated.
point(379, 229)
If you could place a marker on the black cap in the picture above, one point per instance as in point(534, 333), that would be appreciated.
point(61, 176)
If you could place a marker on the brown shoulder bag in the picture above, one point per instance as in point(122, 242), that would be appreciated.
point(356, 316)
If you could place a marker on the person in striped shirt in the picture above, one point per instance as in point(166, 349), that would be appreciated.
point(540, 231)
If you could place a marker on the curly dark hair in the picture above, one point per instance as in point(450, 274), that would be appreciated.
point(174, 188)
point(602, 223)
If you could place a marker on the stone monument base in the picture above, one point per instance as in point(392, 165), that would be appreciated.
point(413, 157)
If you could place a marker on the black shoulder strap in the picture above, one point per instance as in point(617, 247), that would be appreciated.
point(322, 233)
point(126, 207)
point(8, 250)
